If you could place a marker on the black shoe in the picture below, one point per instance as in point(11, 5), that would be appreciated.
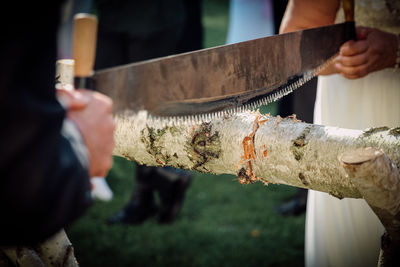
point(172, 197)
point(133, 215)
point(294, 207)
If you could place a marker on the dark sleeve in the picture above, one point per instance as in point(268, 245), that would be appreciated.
point(44, 183)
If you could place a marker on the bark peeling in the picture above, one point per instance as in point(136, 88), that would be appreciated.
point(246, 175)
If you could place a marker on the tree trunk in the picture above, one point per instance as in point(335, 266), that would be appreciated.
point(378, 180)
point(56, 251)
point(255, 148)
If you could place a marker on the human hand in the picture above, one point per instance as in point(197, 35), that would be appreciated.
point(92, 113)
point(374, 50)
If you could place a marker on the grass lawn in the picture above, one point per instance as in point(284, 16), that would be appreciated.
point(222, 222)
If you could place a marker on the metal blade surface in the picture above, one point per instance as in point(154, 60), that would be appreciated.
point(218, 78)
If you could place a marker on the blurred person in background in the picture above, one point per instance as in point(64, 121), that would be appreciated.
point(49, 148)
point(136, 30)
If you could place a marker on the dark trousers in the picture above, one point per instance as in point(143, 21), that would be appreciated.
point(119, 48)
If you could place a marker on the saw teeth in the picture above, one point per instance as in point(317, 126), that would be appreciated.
point(201, 118)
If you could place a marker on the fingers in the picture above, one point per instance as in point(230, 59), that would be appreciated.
point(101, 162)
point(97, 126)
point(350, 61)
point(357, 66)
point(353, 67)
point(105, 100)
point(352, 72)
point(72, 100)
point(360, 46)
point(101, 158)
point(362, 32)
point(375, 52)
point(352, 48)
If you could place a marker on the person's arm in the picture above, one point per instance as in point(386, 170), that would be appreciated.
point(92, 114)
point(374, 49)
point(304, 14)
point(45, 162)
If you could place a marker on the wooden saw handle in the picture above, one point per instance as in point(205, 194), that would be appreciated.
point(84, 47)
point(348, 8)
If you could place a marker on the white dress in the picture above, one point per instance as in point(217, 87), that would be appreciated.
point(346, 232)
point(249, 19)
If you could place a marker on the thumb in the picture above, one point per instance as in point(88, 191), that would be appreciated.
point(362, 33)
point(72, 100)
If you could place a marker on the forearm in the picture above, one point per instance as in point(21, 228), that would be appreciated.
point(304, 14)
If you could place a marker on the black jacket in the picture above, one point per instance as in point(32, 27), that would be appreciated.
point(44, 183)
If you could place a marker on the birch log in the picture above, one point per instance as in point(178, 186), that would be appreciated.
point(281, 151)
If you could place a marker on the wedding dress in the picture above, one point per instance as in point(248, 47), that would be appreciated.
point(346, 232)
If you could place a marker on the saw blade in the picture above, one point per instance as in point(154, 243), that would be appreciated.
point(200, 85)
point(211, 110)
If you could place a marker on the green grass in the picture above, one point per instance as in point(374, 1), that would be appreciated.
point(222, 223)
point(215, 22)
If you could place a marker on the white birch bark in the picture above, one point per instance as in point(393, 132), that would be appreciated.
point(55, 251)
point(298, 154)
point(378, 180)
point(23, 256)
